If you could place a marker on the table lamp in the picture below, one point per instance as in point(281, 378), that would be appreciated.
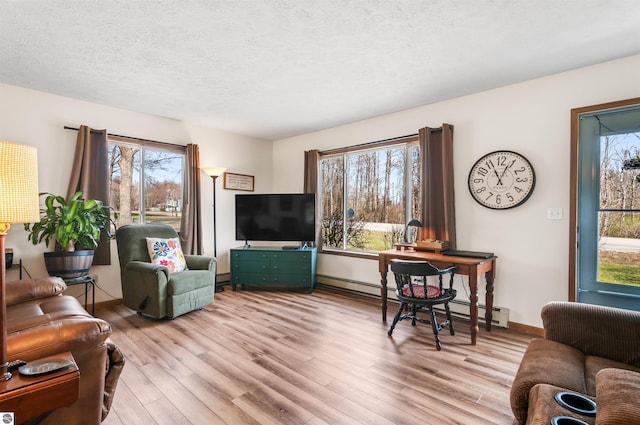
point(214, 173)
point(19, 203)
point(414, 223)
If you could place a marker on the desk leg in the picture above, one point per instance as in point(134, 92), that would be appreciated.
point(473, 305)
point(489, 276)
point(383, 294)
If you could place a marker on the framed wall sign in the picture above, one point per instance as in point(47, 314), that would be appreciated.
point(238, 182)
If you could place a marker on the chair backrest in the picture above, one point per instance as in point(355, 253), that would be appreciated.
point(408, 274)
point(132, 240)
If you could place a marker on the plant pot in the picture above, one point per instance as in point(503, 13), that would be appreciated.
point(68, 265)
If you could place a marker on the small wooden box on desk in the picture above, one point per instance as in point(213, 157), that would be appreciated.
point(274, 267)
point(31, 396)
point(426, 245)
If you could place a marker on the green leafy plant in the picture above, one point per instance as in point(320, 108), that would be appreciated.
point(69, 222)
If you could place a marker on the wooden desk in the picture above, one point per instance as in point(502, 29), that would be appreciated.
point(472, 267)
point(31, 398)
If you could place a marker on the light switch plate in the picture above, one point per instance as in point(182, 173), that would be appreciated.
point(554, 214)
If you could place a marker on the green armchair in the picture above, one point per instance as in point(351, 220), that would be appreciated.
point(153, 290)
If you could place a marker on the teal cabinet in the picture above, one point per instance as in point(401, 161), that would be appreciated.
point(274, 267)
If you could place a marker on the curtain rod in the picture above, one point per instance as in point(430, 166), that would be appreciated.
point(364, 145)
point(128, 137)
point(378, 142)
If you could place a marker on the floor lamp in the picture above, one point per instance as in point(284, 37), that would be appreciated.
point(19, 203)
point(214, 173)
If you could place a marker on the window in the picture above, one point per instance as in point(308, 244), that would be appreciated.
point(368, 195)
point(146, 182)
point(606, 152)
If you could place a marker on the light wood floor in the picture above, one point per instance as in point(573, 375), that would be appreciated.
point(261, 357)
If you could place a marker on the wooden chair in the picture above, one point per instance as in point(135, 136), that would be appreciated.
point(417, 295)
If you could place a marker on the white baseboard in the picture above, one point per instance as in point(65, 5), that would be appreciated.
point(500, 315)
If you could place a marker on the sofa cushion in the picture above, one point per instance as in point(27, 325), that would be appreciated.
point(593, 365)
point(608, 332)
point(189, 281)
point(18, 291)
point(617, 393)
point(167, 252)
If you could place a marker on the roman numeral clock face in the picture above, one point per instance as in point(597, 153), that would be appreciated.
point(501, 180)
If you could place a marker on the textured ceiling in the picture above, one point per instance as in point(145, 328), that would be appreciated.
point(278, 68)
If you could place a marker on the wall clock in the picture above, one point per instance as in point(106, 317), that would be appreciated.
point(502, 179)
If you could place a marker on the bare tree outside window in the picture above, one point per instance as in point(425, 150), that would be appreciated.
point(619, 217)
point(368, 196)
point(145, 184)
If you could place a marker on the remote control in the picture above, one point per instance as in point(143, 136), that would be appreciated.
point(14, 365)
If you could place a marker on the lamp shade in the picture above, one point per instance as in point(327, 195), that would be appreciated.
point(407, 234)
point(19, 200)
point(214, 171)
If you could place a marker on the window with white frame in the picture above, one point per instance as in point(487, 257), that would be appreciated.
point(368, 195)
point(146, 182)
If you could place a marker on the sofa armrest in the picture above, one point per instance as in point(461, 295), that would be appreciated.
point(607, 332)
point(18, 291)
point(49, 334)
point(148, 268)
point(541, 357)
point(199, 262)
point(618, 397)
point(53, 325)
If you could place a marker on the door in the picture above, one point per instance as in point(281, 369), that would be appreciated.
point(608, 207)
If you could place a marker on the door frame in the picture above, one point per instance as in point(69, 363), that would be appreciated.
point(573, 185)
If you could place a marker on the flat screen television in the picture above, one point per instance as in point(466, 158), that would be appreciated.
point(276, 217)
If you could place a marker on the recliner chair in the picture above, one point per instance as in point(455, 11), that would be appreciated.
point(150, 288)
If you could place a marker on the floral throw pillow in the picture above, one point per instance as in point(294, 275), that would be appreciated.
point(167, 252)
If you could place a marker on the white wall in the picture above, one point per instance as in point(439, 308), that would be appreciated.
point(532, 118)
point(241, 155)
point(37, 119)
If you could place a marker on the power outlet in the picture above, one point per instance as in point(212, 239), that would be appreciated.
point(554, 214)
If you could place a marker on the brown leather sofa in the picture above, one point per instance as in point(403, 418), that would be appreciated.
point(587, 349)
point(42, 322)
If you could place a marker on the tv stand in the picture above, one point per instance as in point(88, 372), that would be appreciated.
point(273, 267)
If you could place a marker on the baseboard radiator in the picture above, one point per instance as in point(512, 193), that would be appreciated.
point(459, 308)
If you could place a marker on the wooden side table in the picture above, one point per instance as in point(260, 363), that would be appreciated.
point(86, 281)
point(30, 397)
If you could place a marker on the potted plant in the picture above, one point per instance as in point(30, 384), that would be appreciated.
point(72, 224)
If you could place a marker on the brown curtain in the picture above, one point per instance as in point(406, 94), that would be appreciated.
point(191, 222)
point(311, 159)
point(90, 174)
point(438, 206)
